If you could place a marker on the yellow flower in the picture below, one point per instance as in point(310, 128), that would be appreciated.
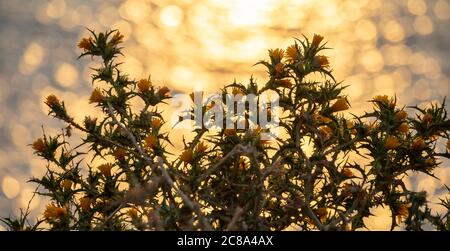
point(162, 92)
point(322, 213)
point(85, 203)
point(372, 126)
point(67, 184)
point(317, 39)
point(384, 99)
point(86, 44)
point(39, 145)
point(151, 140)
point(144, 85)
point(276, 55)
point(279, 68)
point(325, 131)
point(401, 115)
point(187, 156)
point(54, 212)
point(133, 213)
point(201, 147)
point(347, 172)
point(119, 153)
point(418, 144)
point(402, 211)
point(52, 101)
point(292, 53)
point(321, 62)
point(427, 118)
point(448, 144)
point(156, 123)
point(391, 143)
point(403, 127)
point(96, 96)
point(105, 169)
point(321, 119)
point(117, 38)
point(340, 105)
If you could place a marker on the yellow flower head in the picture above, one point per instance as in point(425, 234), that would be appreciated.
point(391, 143)
point(403, 211)
point(86, 44)
point(403, 127)
point(187, 156)
point(418, 143)
point(117, 38)
point(133, 213)
point(321, 62)
point(401, 115)
point(292, 53)
point(340, 105)
point(347, 172)
point(52, 101)
point(119, 153)
point(162, 92)
point(427, 118)
point(96, 96)
point(85, 203)
point(54, 212)
point(151, 141)
point(384, 99)
point(39, 145)
point(325, 131)
point(201, 147)
point(66, 184)
point(279, 68)
point(144, 85)
point(372, 126)
point(317, 39)
point(322, 213)
point(276, 55)
point(105, 169)
point(156, 123)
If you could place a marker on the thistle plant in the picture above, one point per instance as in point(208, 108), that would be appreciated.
point(324, 171)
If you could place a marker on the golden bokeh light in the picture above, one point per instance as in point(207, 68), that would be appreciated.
point(423, 25)
point(66, 75)
point(10, 187)
point(417, 7)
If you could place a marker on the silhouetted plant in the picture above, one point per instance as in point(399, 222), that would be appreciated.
point(235, 179)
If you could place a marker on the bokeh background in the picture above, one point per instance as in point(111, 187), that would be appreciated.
point(380, 47)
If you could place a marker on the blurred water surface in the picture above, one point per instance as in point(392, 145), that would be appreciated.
point(379, 47)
